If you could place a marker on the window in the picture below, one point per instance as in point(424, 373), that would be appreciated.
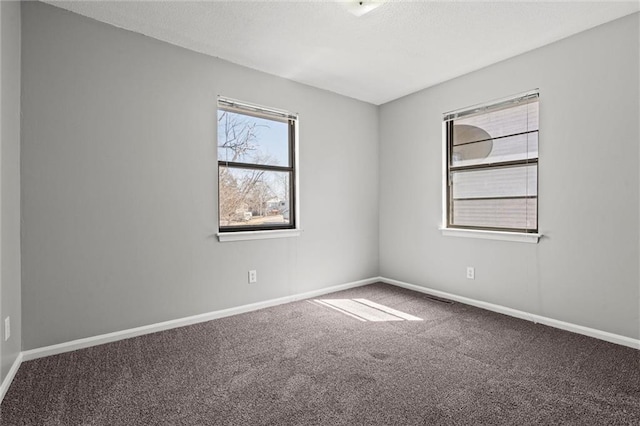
point(492, 166)
point(256, 168)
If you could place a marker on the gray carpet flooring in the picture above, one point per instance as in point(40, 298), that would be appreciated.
point(306, 364)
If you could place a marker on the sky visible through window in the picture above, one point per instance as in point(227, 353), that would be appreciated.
point(268, 143)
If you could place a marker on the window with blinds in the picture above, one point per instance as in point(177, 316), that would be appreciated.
point(492, 165)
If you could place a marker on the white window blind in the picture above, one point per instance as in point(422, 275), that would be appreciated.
point(492, 165)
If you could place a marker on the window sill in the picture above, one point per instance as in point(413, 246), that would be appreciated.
point(257, 235)
point(520, 237)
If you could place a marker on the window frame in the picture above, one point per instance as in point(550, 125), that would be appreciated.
point(487, 232)
point(272, 230)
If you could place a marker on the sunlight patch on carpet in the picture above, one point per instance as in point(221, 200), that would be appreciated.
point(366, 310)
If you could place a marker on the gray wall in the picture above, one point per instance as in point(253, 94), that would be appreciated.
point(119, 183)
point(585, 269)
point(10, 181)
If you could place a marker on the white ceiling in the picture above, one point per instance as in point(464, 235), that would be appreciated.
point(396, 49)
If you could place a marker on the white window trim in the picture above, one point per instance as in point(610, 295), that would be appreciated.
point(258, 235)
point(520, 237)
point(271, 233)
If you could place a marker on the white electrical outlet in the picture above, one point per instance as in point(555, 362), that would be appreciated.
point(253, 276)
point(7, 328)
point(471, 272)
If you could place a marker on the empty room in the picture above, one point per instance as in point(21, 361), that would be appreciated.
point(318, 212)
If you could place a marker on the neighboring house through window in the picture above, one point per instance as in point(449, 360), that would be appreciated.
point(256, 168)
point(492, 166)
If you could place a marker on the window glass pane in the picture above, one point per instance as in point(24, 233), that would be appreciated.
point(493, 124)
point(253, 197)
point(248, 139)
point(516, 181)
point(492, 166)
point(514, 213)
point(513, 148)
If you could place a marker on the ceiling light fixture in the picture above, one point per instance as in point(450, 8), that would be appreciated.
point(359, 8)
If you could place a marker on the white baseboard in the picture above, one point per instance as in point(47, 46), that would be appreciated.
point(181, 322)
point(591, 332)
point(4, 386)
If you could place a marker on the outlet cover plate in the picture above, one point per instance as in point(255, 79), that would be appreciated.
point(471, 272)
point(7, 328)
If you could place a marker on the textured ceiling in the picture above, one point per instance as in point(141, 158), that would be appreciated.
point(396, 49)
